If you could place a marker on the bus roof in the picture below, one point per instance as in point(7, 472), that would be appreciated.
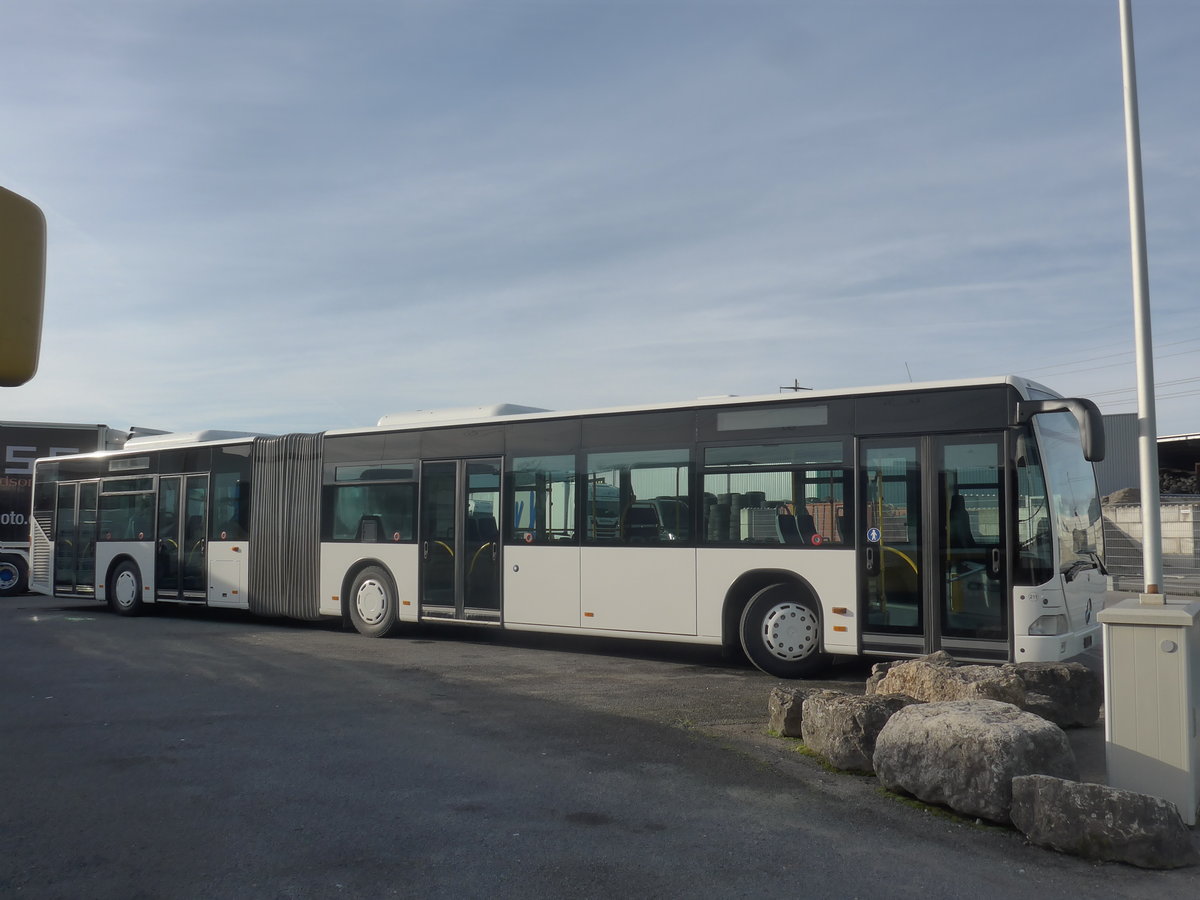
point(483, 414)
point(514, 412)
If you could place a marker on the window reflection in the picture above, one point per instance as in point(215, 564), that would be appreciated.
point(638, 497)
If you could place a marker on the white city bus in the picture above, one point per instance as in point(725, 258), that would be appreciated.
point(890, 521)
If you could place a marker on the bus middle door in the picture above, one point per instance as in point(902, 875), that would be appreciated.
point(181, 546)
point(460, 539)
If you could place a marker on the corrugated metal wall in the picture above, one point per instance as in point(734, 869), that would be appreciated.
point(285, 526)
point(1119, 469)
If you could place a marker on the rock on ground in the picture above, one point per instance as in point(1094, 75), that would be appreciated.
point(1067, 693)
point(964, 754)
point(1100, 822)
point(938, 677)
point(785, 710)
point(843, 727)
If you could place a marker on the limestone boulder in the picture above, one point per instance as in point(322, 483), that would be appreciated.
point(1069, 694)
point(937, 678)
point(964, 754)
point(785, 710)
point(843, 727)
point(1103, 823)
point(878, 671)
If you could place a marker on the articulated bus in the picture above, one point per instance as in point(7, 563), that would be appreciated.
point(888, 521)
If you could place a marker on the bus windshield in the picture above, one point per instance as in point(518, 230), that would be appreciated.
point(1059, 505)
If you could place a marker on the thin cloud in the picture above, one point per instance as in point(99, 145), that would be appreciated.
point(280, 216)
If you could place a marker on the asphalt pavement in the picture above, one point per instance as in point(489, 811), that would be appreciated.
point(203, 754)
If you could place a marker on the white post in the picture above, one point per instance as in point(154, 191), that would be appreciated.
point(1147, 425)
point(1151, 649)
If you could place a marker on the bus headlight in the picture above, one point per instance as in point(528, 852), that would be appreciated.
point(1049, 625)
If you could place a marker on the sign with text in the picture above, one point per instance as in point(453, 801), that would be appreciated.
point(20, 445)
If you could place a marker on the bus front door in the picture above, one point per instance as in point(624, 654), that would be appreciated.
point(460, 539)
point(181, 546)
point(933, 569)
point(75, 538)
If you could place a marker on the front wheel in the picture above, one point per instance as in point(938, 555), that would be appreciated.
point(13, 575)
point(781, 632)
point(125, 590)
point(373, 603)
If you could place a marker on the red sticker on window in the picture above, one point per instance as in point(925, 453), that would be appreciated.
point(816, 540)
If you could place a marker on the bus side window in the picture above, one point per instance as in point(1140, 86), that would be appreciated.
point(782, 494)
point(540, 494)
point(639, 497)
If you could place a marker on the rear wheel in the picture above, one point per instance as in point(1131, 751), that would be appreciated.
point(781, 632)
point(373, 602)
point(125, 590)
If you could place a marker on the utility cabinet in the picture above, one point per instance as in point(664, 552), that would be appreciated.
point(1151, 692)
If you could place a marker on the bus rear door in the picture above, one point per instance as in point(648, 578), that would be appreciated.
point(75, 538)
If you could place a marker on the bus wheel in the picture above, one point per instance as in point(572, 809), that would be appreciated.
point(125, 590)
point(781, 632)
point(373, 603)
point(12, 576)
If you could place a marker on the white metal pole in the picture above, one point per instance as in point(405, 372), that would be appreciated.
point(1147, 425)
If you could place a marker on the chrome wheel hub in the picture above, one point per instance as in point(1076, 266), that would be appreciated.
point(790, 631)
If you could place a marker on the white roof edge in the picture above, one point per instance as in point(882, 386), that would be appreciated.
point(457, 414)
point(187, 438)
point(6, 423)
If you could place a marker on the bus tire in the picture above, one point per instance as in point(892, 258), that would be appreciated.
point(125, 589)
point(781, 632)
point(372, 603)
point(13, 575)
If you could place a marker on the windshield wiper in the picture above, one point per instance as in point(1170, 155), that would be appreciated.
point(1091, 562)
point(1099, 562)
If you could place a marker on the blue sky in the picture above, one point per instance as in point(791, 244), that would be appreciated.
point(302, 215)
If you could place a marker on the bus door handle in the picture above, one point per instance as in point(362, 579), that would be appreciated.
point(997, 561)
point(871, 561)
point(425, 551)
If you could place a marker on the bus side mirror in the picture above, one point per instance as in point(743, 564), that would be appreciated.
point(22, 286)
point(1086, 413)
